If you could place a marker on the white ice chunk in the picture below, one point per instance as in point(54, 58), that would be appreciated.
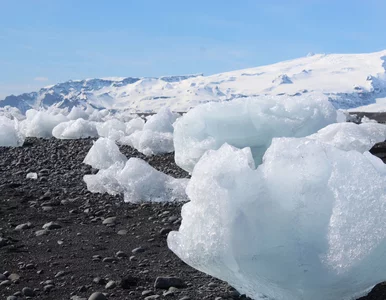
point(134, 125)
point(251, 122)
point(113, 129)
point(41, 123)
point(138, 181)
point(75, 129)
point(156, 136)
point(77, 113)
point(150, 142)
point(308, 223)
point(105, 180)
point(368, 120)
point(143, 183)
point(161, 121)
point(350, 136)
point(98, 115)
point(10, 135)
point(11, 113)
point(103, 154)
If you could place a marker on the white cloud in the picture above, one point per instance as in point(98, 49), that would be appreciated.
point(41, 79)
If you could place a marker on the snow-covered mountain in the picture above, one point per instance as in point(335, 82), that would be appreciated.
point(347, 80)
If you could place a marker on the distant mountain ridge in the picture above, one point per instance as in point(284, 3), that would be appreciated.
point(346, 80)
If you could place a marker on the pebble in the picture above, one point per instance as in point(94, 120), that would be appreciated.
point(3, 242)
point(23, 226)
point(77, 298)
point(51, 226)
point(172, 219)
point(121, 254)
point(14, 277)
point(97, 296)
point(41, 232)
point(147, 292)
point(108, 259)
point(47, 208)
point(168, 294)
point(128, 281)
point(96, 257)
point(110, 220)
point(28, 292)
point(165, 231)
point(12, 298)
point(234, 294)
point(5, 282)
point(152, 297)
point(167, 282)
point(122, 232)
point(110, 285)
point(99, 280)
point(138, 250)
point(60, 274)
point(48, 287)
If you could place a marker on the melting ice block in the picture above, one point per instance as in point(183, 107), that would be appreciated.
point(103, 154)
point(156, 136)
point(142, 183)
point(150, 142)
point(251, 122)
point(308, 223)
point(75, 129)
point(77, 113)
point(10, 135)
point(138, 181)
point(41, 123)
point(113, 129)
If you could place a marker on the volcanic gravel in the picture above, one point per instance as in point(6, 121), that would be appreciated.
point(59, 241)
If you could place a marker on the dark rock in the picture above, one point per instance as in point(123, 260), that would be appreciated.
point(128, 282)
point(97, 296)
point(167, 282)
point(28, 292)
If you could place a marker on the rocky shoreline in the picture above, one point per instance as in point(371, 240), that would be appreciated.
point(59, 241)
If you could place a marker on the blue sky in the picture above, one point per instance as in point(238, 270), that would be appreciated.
point(43, 42)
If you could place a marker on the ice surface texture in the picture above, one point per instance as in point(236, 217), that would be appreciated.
point(247, 122)
point(308, 223)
